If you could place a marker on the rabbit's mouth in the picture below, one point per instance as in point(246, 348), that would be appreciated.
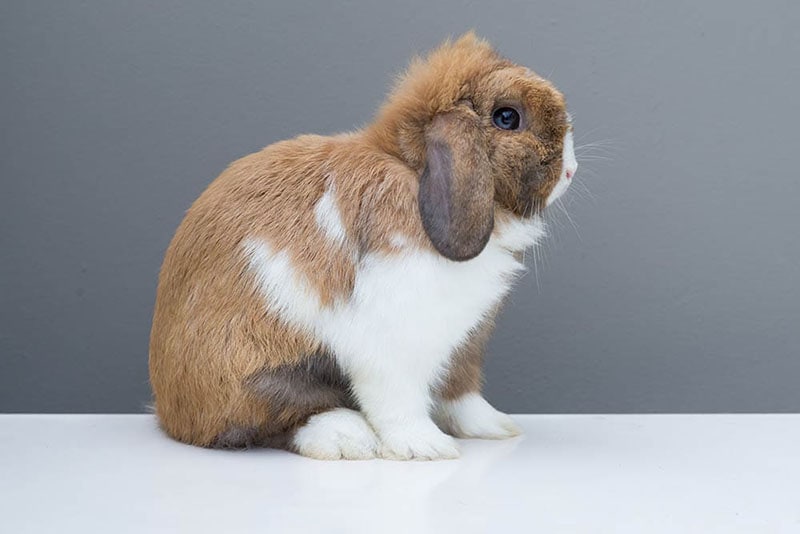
point(569, 166)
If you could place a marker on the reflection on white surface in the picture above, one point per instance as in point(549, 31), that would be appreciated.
point(567, 474)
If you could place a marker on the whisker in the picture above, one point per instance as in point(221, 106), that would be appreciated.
point(569, 218)
point(595, 149)
point(578, 193)
point(609, 143)
point(583, 134)
point(593, 157)
point(584, 189)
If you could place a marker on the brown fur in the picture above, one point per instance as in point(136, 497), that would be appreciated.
point(212, 335)
point(466, 370)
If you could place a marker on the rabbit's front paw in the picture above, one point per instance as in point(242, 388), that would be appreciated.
point(417, 441)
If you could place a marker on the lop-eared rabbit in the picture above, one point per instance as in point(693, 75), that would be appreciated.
point(333, 295)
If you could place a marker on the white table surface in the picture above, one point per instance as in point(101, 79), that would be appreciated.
point(568, 473)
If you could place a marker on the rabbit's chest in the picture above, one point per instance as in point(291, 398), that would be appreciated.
point(414, 304)
point(421, 305)
point(426, 303)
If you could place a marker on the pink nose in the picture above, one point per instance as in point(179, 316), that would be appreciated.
point(571, 172)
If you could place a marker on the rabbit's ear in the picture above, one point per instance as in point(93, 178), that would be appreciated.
point(456, 189)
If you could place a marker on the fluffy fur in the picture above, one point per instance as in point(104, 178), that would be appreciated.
point(328, 294)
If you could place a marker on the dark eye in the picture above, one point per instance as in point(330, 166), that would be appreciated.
point(506, 118)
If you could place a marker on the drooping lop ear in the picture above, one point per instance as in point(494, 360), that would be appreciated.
point(456, 189)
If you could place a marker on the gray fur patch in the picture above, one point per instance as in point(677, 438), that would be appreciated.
point(315, 384)
point(293, 393)
point(236, 438)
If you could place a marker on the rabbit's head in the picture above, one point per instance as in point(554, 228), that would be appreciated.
point(480, 130)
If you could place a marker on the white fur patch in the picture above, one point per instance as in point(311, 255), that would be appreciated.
point(336, 434)
point(398, 240)
point(518, 234)
point(471, 416)
point(569, 163)
point(418, 439)
point(394, 336)
point(328, 218)
point(286, 293)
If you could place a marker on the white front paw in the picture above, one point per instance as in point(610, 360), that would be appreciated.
point(417, 441)
point(471, 416)
point(337, 434)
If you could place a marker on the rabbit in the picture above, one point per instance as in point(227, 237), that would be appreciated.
point(333, 295)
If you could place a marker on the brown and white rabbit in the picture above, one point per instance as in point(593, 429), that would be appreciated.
point(333, 295)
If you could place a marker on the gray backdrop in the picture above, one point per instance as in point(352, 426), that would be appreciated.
point(674, 289)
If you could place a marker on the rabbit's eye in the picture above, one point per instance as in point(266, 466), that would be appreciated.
point(506, 118)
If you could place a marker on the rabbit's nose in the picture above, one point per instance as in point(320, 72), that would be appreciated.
point(571, 170)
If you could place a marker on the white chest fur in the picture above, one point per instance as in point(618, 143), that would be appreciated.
point(414, 307)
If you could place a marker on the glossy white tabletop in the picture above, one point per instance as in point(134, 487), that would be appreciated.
point(631, 473)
